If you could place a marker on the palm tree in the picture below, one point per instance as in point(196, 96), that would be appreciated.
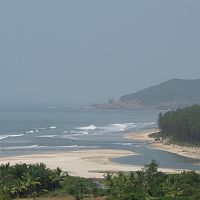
point(31, 184)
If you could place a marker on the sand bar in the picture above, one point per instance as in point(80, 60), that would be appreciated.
point(192, 152)
point(87, 163)
point(142, 136)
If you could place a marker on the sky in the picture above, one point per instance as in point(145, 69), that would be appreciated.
point(78, 52)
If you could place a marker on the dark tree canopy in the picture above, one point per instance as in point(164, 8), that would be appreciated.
point(182, 124)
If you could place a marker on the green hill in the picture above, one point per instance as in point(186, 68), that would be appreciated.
point(174, 93)
point(170, 94)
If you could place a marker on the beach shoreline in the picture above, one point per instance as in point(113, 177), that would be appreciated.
point(97, 162)
point(86, 163)
point(143, 136)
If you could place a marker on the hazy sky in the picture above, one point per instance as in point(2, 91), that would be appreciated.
point(69, 52)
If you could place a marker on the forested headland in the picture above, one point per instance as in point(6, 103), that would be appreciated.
point(181, 125)
point(174, 93)
point(34, 181)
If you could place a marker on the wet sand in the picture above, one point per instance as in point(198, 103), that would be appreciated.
point(192, 152)
point(87, 163)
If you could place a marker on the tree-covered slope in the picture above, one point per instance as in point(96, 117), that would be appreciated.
point(182, 124)
point(172, 93)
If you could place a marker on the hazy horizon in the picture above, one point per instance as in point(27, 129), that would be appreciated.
point(79, 52)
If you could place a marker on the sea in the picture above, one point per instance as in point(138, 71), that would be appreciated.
point(36, 129)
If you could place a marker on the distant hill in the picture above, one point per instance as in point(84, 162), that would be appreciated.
point(170, 94)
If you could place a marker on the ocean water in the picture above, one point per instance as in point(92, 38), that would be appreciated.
point(28, 130)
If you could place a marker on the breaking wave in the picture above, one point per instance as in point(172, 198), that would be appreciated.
point(75, 132)
point(52, 127)
point(7, 136)
point(31, 131)
point(88, 128)
point(110, 128)
point(47, 136)
point(121, 127)
point(65, 132)
point(40, 129)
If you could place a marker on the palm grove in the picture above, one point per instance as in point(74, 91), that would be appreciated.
point(34, 180)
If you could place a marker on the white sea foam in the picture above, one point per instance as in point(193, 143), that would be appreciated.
point(73, 138)
point(76, 146)
point(110, 128)
point(70, 137)
point(146, 125)
point(117, 127)
point(52, 127)
point(46, 136)
point(79, 132)
point(72, 146)
point(22, 147)
point(17, 135)
point(88, 128)
point(84, 133)
point(7, 136)
point(123, 144)
point(41, 128)
point(121, 127)
point(65, 132)
point(31, 131)
point(3, 137)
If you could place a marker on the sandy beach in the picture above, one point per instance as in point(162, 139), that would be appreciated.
point(141, 135)
point(192, 152)
point(87, 163)
point(95, 163)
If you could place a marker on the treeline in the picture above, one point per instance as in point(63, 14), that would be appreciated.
point(182, 124)
point(22, 180)
point(150, 184)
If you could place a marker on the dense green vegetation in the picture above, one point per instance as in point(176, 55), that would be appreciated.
point(152, 184)
point(181, 125)
point(22, 180)
point(170, 94)
point(34, 180)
